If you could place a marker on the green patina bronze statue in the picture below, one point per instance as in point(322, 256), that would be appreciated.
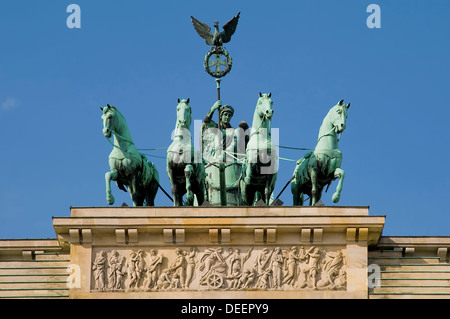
point(319, 168)
point(233, 167)
point(261, 162)
point(223, 148)
point(184, 168)
point(128, 167)
point(221, 57)
point(217, 38)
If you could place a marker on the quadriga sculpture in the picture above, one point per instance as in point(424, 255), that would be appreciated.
point(128, 167)
point(317, 169)
point(186, 172)
point(260, 167)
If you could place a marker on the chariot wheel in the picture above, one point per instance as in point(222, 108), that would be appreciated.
point(214, 281)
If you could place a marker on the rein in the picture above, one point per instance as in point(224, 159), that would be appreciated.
point(333, 129)
point(260, 124)
point(120, 136)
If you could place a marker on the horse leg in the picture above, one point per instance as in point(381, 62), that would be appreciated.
point(295, 190)
point(110, 176)
point(267, 191)
point(295, 195)
point(249, 191)
point(178, 199)
point(248, 173)
point(270, 185)
point(177, 195)
point(338, 173)
point(300, 199)
point(242, 189)
point(200, 193)
point(250, 165)
point(200, 183)
point(152, 187)
point(137, 195)
point(313, 175)
point(151, 193)
point(138, 200)
point(189, 194)
point(174, 190)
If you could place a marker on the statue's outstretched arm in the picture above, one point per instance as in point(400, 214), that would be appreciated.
point(208, 117)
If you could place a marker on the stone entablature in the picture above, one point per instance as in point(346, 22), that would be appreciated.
point(206, 252)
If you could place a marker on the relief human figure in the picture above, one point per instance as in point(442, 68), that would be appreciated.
point(309, 273)
point(135, 268)
point(234, 278)
point(235, 265)
point(99, 268)
point(190, 265)
point(291, 267)
point(332, 275)
point(116, 274)
point(164, 280)
point(264, 279)
point(140, 265)
point(262, 270)
point(153, 269)
point(262, 261)
point(236, 261)
point(340, 280)
point(276, 264)
point(247, 278)
point(175, 281)
point(178, 267)
point(131, 269)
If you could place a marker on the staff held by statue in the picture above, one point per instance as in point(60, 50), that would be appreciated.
point(213, 68)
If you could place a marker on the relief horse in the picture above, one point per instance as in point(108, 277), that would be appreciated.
point(186, 172)
point(128, 167)
point(260, 167)
point(319, 168)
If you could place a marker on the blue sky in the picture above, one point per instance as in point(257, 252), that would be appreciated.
point(141, 56)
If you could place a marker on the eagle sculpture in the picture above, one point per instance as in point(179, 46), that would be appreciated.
point(217, 38)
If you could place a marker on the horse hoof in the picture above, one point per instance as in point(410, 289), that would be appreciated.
point(110, 199)
point(335, 198)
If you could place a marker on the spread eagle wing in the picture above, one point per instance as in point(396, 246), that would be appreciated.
point(203, 30)
point(229, 28)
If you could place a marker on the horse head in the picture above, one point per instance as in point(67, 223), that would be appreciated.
point(109, 118)
point(184, 112)
point(264, 106)
point(338, 116)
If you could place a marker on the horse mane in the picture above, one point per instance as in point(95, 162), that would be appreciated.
point(118, 113)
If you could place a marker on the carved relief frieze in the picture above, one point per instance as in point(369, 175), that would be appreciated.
point(219, 268)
